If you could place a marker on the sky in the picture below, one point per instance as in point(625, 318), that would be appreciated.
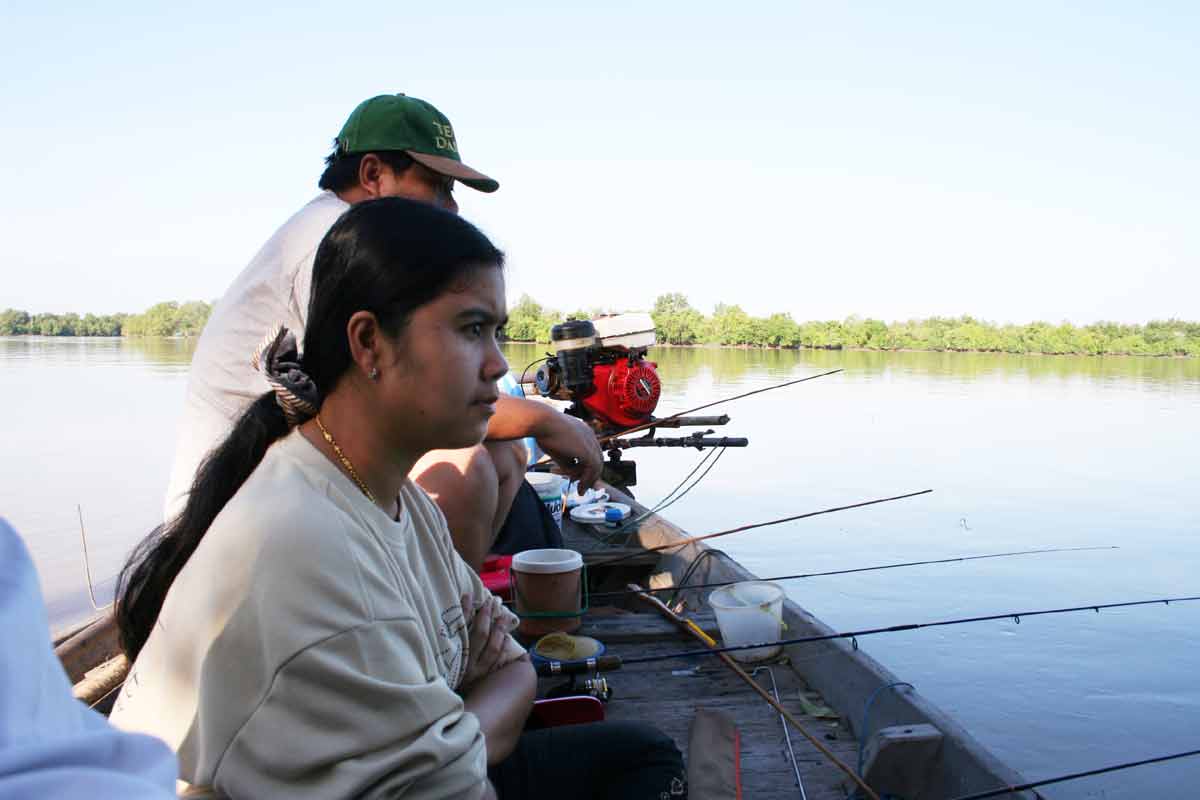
point(1014, 161)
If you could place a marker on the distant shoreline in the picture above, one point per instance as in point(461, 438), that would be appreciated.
point(678, 324)
point(775, 348)
point(802, 348)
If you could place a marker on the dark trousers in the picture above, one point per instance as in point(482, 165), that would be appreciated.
point(596, 761)
point(528, 525)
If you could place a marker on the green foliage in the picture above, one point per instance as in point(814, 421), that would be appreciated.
point(529, 322)
point(679, 324)
point(164, 319)
point(169, 319)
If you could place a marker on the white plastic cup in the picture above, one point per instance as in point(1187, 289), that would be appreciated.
point(749, 613)
point(550, 490)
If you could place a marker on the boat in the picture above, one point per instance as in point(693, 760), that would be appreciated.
point(904, 742)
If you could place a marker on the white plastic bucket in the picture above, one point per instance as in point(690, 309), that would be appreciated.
point(550, 490)
point(749, 613)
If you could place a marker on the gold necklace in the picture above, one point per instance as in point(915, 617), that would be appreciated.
point(345, 461)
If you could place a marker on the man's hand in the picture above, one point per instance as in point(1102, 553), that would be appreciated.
point(573, 445)
point(487, 635)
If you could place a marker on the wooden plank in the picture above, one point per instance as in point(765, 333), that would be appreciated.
point(667, 693)
point(89, 647)
point(622, 628)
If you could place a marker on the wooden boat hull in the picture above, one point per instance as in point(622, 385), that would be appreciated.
point(844, 677)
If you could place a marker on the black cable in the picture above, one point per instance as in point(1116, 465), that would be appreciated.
point(522, 374)
point(692, 567)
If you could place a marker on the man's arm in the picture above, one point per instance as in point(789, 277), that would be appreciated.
point(566, 439)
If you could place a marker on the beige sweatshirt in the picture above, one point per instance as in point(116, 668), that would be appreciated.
point(312, 646)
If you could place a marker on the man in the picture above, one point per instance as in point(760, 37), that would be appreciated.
point(391, 145)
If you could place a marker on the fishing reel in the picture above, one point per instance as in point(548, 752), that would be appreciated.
point(601, 367)
point(595, 686)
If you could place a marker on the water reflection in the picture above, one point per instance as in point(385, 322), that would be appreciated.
point(1032, 451)
point(49, 351)
point(678, 365)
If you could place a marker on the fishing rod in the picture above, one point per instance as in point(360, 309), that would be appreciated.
point(1075, 776)
point(692, 629)
point(718, 584)
point(601, 414)
point(739, 529)
point(612, 662)
point(662, 422)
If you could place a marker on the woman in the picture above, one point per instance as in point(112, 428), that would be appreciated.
point(304, 628)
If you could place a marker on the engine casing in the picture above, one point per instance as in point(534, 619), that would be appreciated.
point(627, 391)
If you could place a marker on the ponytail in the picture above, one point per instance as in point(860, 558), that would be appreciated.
point(152, 567)
point(388, 256)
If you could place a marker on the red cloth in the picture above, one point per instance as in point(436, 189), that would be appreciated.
point(495, 576)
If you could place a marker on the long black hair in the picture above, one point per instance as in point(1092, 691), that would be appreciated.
point(388, 256)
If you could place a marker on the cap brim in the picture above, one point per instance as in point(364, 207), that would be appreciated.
point(457, 170)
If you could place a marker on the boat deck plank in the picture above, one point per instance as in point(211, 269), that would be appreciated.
point(667, 694)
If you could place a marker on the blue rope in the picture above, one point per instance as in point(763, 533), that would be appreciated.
point(862, 731)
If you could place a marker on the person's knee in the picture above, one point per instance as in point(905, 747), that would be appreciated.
point(509, 458)
point(480, 472)
point(465, 486)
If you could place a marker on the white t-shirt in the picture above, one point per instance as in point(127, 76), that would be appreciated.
point(312, 646)
point(274, 288)
point(51, 745)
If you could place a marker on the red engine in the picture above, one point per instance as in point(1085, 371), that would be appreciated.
point(608, 379)
point(626, 394)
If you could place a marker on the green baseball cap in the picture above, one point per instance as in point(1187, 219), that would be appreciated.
point(400, 122)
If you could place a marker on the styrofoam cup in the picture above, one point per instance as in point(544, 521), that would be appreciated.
point(548, 590)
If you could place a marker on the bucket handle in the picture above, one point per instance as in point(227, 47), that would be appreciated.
point(583, 596)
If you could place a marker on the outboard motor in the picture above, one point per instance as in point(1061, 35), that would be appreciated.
point(601, 367)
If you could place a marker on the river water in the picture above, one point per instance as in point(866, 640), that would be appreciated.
point(1021, 452)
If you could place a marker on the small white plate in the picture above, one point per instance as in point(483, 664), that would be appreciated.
point(593, 513)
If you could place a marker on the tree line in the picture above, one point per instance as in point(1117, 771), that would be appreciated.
point(161, 319)
point(678, 323)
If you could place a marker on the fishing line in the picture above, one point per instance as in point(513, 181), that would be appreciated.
point(668, 501)
point(720, 451)
point(691, 568)
point(87, 565)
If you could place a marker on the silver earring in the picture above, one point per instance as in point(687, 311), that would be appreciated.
point(373, 374)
